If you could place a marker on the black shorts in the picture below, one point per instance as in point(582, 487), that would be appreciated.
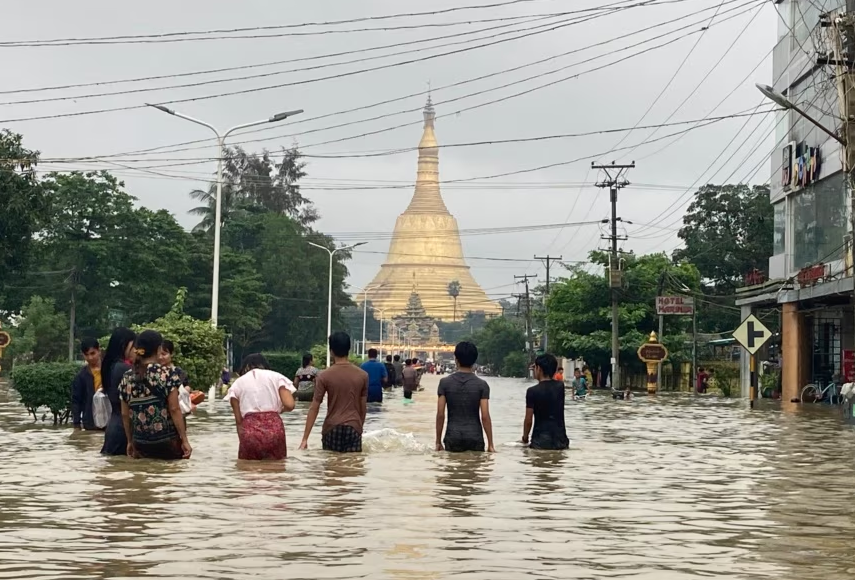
point(461, 445)
point(408, 394)
point(343, 439)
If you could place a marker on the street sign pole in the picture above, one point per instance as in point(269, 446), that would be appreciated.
point(752, 335)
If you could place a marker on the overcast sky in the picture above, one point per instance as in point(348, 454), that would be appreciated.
point(616, 96)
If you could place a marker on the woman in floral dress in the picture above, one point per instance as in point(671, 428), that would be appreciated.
point(151, 414)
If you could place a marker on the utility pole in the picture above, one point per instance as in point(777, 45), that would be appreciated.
point(661, 329)
point(72, 316)
point(614, 181)
point(530, 343)
point(548, 259)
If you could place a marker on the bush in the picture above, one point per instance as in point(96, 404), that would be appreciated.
point(285, 363)
point(725, 378)
point(46, 385)
point(515, 365)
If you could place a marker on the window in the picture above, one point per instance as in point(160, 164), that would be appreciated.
point(780, 228)
point(819, 222)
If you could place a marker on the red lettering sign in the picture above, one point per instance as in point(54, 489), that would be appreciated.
point(849, 366)
point(754, 277)
point(812, 274)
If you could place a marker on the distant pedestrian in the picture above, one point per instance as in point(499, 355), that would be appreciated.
point(702, 383)
point(377, 376)
point(579, 385)
point(391, 376)
point(559, 374)
point(85, 385)
point(257, 398)
point(347, 387)
point(544, 407)
point(399, 370)
point(304, 378)
point(184, 393)
point(154, 424)
point(467, 398)
point(410, 378)
point(118, 359)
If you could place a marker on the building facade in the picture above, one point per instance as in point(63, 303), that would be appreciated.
point(810, 275)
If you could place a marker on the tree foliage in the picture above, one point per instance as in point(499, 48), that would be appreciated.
point(727, 232)
point(23, 206)
point(253, 181)
point(499, 338)
point(41, 334)
point(580, 309)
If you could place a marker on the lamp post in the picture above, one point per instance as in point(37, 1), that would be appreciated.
point(365, 310)
point(221, 144)
point(786, 103)
point(329, 305)
point(382, 317)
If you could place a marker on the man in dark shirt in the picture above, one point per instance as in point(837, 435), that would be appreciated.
point(399, 370)
point(544, 405)
point(85, 385)
point(467, 397)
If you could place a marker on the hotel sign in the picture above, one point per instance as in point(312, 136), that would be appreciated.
point(800, 165)
point(675, 305)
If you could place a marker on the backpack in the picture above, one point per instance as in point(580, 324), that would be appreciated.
point(101, 409)
point(390, 370)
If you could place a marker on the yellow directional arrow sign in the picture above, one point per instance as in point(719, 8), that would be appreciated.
point(751, 334)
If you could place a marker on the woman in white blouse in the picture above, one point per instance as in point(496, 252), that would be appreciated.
point(258, 398)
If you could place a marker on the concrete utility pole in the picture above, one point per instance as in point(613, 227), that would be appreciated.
point(530, 345)
point(548, 259)
point(614, 181)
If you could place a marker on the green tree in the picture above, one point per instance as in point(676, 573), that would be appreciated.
point(118, 258)
point(41, 334)
point(580, 309)
point(23, 206)
point(454, 292)
point(253, 180)
point(499, 338)
point(727, 232)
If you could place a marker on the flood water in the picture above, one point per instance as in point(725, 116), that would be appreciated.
point(654, 489)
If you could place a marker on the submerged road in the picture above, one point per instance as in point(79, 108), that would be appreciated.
point(664, 488)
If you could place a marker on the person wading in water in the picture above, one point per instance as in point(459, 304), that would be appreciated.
point(410, 378)
point(85, 385)
point(544, 406)
point(347, 387)
point(257, 399)
point(305, 377)
point(118, 359)
point(467, 397)
point(153, 421)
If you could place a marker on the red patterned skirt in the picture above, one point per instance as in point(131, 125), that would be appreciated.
point(262, 437)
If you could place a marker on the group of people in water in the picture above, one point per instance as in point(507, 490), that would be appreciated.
point(149, 398)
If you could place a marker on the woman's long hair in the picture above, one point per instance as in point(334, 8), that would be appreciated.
point(119, 341)
point(146, 346)
point(307, 359)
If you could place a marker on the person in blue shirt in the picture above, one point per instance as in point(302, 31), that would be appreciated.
point(377, 376)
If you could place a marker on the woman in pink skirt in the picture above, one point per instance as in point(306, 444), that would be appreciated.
point(257, 398)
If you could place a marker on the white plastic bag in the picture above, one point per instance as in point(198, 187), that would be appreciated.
point(101, 409)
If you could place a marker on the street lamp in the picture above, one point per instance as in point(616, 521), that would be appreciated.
point(786, 103)
point(329, 306)
point(221, 143)
point(365, 310)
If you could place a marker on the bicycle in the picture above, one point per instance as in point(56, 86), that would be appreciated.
point(816, 393)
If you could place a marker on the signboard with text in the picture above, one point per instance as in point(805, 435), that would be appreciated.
point(680, 305)
point(849, 366)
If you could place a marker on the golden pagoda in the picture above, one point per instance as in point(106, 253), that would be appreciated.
point(425, 255)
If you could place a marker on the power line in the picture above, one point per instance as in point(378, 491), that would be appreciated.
point(173, 149)
point(318, 79)
point(276, 27)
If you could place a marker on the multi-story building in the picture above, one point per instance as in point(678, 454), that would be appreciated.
point(810, 280)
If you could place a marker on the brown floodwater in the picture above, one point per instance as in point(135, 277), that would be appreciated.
point(664, 488)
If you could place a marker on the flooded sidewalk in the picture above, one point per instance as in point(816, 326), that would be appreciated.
point(666, 488)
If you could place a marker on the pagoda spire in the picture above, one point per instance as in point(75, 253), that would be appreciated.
point(427, 198)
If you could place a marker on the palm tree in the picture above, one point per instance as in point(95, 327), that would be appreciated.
point(454, 292)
